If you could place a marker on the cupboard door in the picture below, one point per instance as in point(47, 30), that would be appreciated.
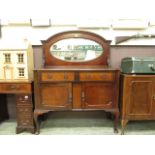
point(140, 98)
point(97, 95)
point(56, 95)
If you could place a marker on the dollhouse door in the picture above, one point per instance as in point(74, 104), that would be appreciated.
point(8, 73)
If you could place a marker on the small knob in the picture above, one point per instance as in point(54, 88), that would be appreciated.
point(26, 97)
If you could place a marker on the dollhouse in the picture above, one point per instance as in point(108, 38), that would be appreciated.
point(16, 61)
point(16, 75)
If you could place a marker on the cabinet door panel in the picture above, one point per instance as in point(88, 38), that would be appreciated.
point(56, 95)
point(140, 101)
point(97, 95)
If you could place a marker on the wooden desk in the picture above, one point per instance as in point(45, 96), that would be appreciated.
point(24, 104)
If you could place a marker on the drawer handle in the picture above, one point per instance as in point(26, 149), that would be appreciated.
point(49, 76)
point(22, 100)
point(88, 76)
point(82, 96)
point(70, 98)
point(102, 76)
point(13, 87)
point(65, 76)
point(109, 103)
point(153, 97)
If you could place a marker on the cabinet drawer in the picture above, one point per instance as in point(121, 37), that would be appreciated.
point(96, 76)
point(57, 76)
point(15, 88)
point(25, 121)
point(24, 111)
point(23, 99)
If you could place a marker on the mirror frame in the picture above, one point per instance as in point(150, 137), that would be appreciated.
point(50, 60)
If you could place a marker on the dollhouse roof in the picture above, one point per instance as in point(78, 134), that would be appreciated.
point(13, 44)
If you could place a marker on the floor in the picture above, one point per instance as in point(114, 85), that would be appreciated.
point(79, 123)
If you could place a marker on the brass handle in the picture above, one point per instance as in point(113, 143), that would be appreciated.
point(70, 98)
point(14, 87)
point(102, 76)
point(153, 97)
point(65, 76)
point(49, 76)
point(109, 103)
point(82, 96)
point(88, 76)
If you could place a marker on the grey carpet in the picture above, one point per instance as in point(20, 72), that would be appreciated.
point(78, 123)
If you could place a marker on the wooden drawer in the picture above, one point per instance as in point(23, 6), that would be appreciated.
point(96, 76)
point(15, 88)
point(57, 76)
point(24, 111)
point(23, 99)
point(25, 121)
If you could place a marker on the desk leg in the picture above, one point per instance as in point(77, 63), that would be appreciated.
point(3, 108)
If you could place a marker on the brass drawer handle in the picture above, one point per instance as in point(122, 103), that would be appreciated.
point(82, 96)
point(109, 103)
point(49, 76)
point(70, 98)
point(14, 87)
point(88, 76)
point(103, 76)
point(65, 76)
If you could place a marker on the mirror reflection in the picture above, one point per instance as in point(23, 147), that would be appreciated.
point(76, 49)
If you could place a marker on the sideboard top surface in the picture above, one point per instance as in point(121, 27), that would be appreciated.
point(77, 68)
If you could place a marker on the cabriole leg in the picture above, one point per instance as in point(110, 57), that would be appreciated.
point(123, 125)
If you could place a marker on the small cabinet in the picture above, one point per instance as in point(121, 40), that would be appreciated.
point(137, 98)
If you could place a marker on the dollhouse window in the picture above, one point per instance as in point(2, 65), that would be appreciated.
point(21, 72)
point(7, 58)
point(20, 58)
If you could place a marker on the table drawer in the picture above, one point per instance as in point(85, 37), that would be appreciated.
point(57, 76)
point(96, 76)
point(15, 88)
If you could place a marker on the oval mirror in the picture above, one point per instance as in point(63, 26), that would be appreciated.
point(76, 49)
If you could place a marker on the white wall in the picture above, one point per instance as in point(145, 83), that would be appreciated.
point(109, 29)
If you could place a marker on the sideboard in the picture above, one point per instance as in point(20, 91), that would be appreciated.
point(76, 76)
